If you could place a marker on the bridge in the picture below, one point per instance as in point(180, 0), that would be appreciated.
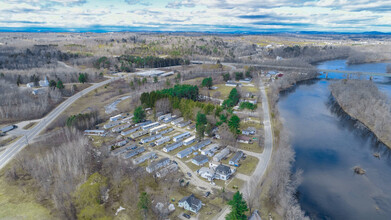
point(326, 71)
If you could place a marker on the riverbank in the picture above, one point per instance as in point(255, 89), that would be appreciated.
point(362, 121)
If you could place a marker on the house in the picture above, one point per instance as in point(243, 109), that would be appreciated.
point(244, 139)
point(172, 146)
point(189, 141)
point(199, 160)
point(151, 125)
point(206, 173)
point(134, 152)
point(156, 165)
point(143, 158)
point(190, 203)
point(139, 134)
point(162, 140)
point(234, 161)
point(246, 80)
point(201, 144)
point(221, 155)
point(111, 124)
point(184, 153)
point(150, 138)
point(124, 133)
point(95, 132)
point(44, 83)
point(223, 172)
point(166, 170)
point(181, 136)
point(249, 131)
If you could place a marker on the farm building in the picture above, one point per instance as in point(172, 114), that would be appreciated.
point(169, 169)
point(234, 161)
point(123, 149)
point(156, 165)
point(189, 141)
point(221, 155)
point(183, 124)
point(139, 134)
point(199, 160)
point(143, 158)
point(172, 146)
point(121, 127)
point(156, 129)
point(150, 138)
point(177, 121)
point(149, 126)
point(95, 132)
point(111, 124)
point(124, 133)
point(162, 140)
point(184, 153)
point(181, 136)
point(201, 144)
point(133, 152)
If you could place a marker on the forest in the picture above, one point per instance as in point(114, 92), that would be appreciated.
point(362, 100)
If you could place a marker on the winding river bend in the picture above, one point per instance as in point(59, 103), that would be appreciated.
point(328, 144)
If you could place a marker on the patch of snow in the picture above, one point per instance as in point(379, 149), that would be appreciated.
point(119, 209)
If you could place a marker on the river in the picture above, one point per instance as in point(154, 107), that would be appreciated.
point(328, 145)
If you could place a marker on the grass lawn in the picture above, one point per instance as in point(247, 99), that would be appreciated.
point(235, 184)
point(194, 167)
point(16, 204)
point(29, 125)
point(222, 88)
point(248, 165)
point(254, 147)
point(253, 89)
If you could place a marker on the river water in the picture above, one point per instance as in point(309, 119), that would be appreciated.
point(328, 145)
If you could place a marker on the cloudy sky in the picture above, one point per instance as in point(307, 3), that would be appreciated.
point(196, 15)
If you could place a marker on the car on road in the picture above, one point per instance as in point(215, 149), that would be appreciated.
point(189, 174)
point(186, 216)
point(175, 162)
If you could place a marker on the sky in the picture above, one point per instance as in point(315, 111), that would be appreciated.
point(241, 16)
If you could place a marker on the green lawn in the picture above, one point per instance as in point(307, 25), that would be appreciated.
point(222, 88)
point(248, 165)
point(251, 147)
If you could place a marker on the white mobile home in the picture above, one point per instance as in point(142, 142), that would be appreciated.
point(221, 155)
point(172, 147)
point(111, 124)
point(162, 140)
point(181, 136)
point(156, 165)
point(150, 138)
point(162, 117)
point(124, 133)
point(236, 158)
point(95, 132)
point(123, 149)
point(156, 129)
point(133, 152)
point(166, 131)
point(183, 124)
point(121, 127)
point(121, 143)
point(139, 134)
point(143, 158)
point(149, 126)
point(189, 141)
point(177, 121)
point(201, 144)
point(210, 150)
point(117, 117)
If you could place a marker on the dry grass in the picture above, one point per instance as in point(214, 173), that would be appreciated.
point(7, 141)
point(29, 125)
point(251, 147)
point(248, 165)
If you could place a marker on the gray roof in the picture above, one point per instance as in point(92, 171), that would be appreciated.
point(222, 169)
point(199, 158)
point(237, 156)
point(192, 201)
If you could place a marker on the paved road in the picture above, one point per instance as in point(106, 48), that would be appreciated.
point(14, 148)
point(264, 158)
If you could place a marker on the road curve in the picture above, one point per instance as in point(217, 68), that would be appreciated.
point(22, 142)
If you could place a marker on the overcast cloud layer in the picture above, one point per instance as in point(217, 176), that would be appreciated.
point(201, 15)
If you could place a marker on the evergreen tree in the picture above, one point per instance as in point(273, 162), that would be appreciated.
point(238, 208)
point(200, 124)
point(60, 85)
point(18, 80)
point(155, 79)
point(234, 123)
point(82, 77)
point(139, 114)
point(52, 83)
point(144, 203)
point(207, 82)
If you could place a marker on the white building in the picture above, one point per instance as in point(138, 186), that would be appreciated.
point(162, 140)
point(189, 140)
point(181, 136)
point(156, 165)
point(44, 83)
point(149, 126)
point(150, 138)
point(143, 158)
point(184, 153)
point(172, 147)
point(210, 150)
point(221, 155)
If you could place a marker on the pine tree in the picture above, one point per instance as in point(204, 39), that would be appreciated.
point(144, 203)
point(238, 208)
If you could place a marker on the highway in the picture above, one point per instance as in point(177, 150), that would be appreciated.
point(11, 151)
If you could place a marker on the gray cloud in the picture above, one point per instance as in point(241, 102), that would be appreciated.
point(180, 4)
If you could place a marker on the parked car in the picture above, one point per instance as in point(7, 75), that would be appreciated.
point(186, 216)
point(189, 174)
point(175, 162)
point(207, 194)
